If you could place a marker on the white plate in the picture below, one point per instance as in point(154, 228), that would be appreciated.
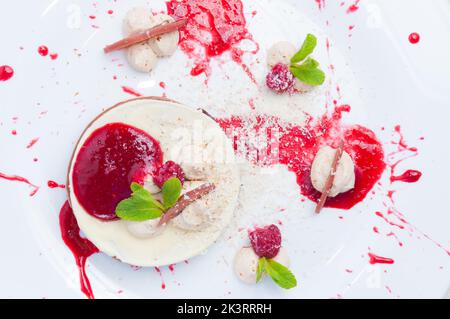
point(387, 80)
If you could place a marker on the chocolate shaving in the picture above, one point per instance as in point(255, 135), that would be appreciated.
point(208, 114)
point(145, 35)
point(330, 179)
point(185, 200)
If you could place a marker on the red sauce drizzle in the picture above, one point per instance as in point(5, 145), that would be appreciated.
point(163, 284)
point(374, 259)
point(53, 184)
point(414, 38)
point(81, 248)
point(214, 27)
point(32, 142)
point(320, 4)
point(131, 91)
point(354, 7)
point(410, 176)
point(113, 157)
point(296, 146)
point(6, 72)
point(15, 178)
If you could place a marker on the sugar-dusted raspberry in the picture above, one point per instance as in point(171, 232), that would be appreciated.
point(266, 241)
point(280, 79)
point(167, 171)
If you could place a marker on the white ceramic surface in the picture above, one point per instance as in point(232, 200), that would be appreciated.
point(387, 81)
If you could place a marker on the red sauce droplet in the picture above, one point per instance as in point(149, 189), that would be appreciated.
point(14, 132)
point(110, 11)
point(53, 184)
point(43, 50)
point(81, 248)
point(15, 178)
point(354, 7)
point(320, 4)
point(131, 91)
point(113, 157)
point(54, 56)
point(163, 284)
point(410, 176)
point(414, 38)
point(213, 28)
point(162, 85)
point(374, 259)
point(6, 72)
point(32, 142)
point(296, 146)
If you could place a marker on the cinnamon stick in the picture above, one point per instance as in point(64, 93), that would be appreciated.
point(185, 200)
point(145, 35)
point(330, 179)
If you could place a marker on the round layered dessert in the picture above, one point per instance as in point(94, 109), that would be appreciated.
point(124, 159)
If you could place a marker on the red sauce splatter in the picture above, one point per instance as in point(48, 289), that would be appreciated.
point(43, 50)
point(410, 176)
point(374, 259)
point(251, 103)
point(53, 184)
point(32, 142)
point(296, 146)
point(172, 268)
point(320, 4)
point(113, 157)
point(54, 56)
point(6, 72)
point(375, 230)
point(110, 11)
point(81, 248)
point(163, 284)
point(354, 7)
point(392, 234)
point(162, 85)
point(131, 91)
point(14, 132)
point(92, 17)
point(214, 27)
point(15, 178)
point(414, 38)
point(380, 214)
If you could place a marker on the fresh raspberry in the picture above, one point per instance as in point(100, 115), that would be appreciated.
point(280, 79)
point(167, 171)
point(266, 241)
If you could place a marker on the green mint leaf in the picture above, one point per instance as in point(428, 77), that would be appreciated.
point(140, 206)
point(309, 72)
point(307, 48)
point(139, 190)
point(261, 268)
point(135, 187)
point(280, 274)
point(171, 191)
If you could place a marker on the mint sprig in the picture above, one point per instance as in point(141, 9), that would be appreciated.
point(171, 191)
point(280, 274)
point(142, 206)
point(308, 71)
point(307, 48)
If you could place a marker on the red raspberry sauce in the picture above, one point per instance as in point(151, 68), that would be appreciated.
point(81, 248)
point(296, 147)
point(113, 157)
point(214, 27)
